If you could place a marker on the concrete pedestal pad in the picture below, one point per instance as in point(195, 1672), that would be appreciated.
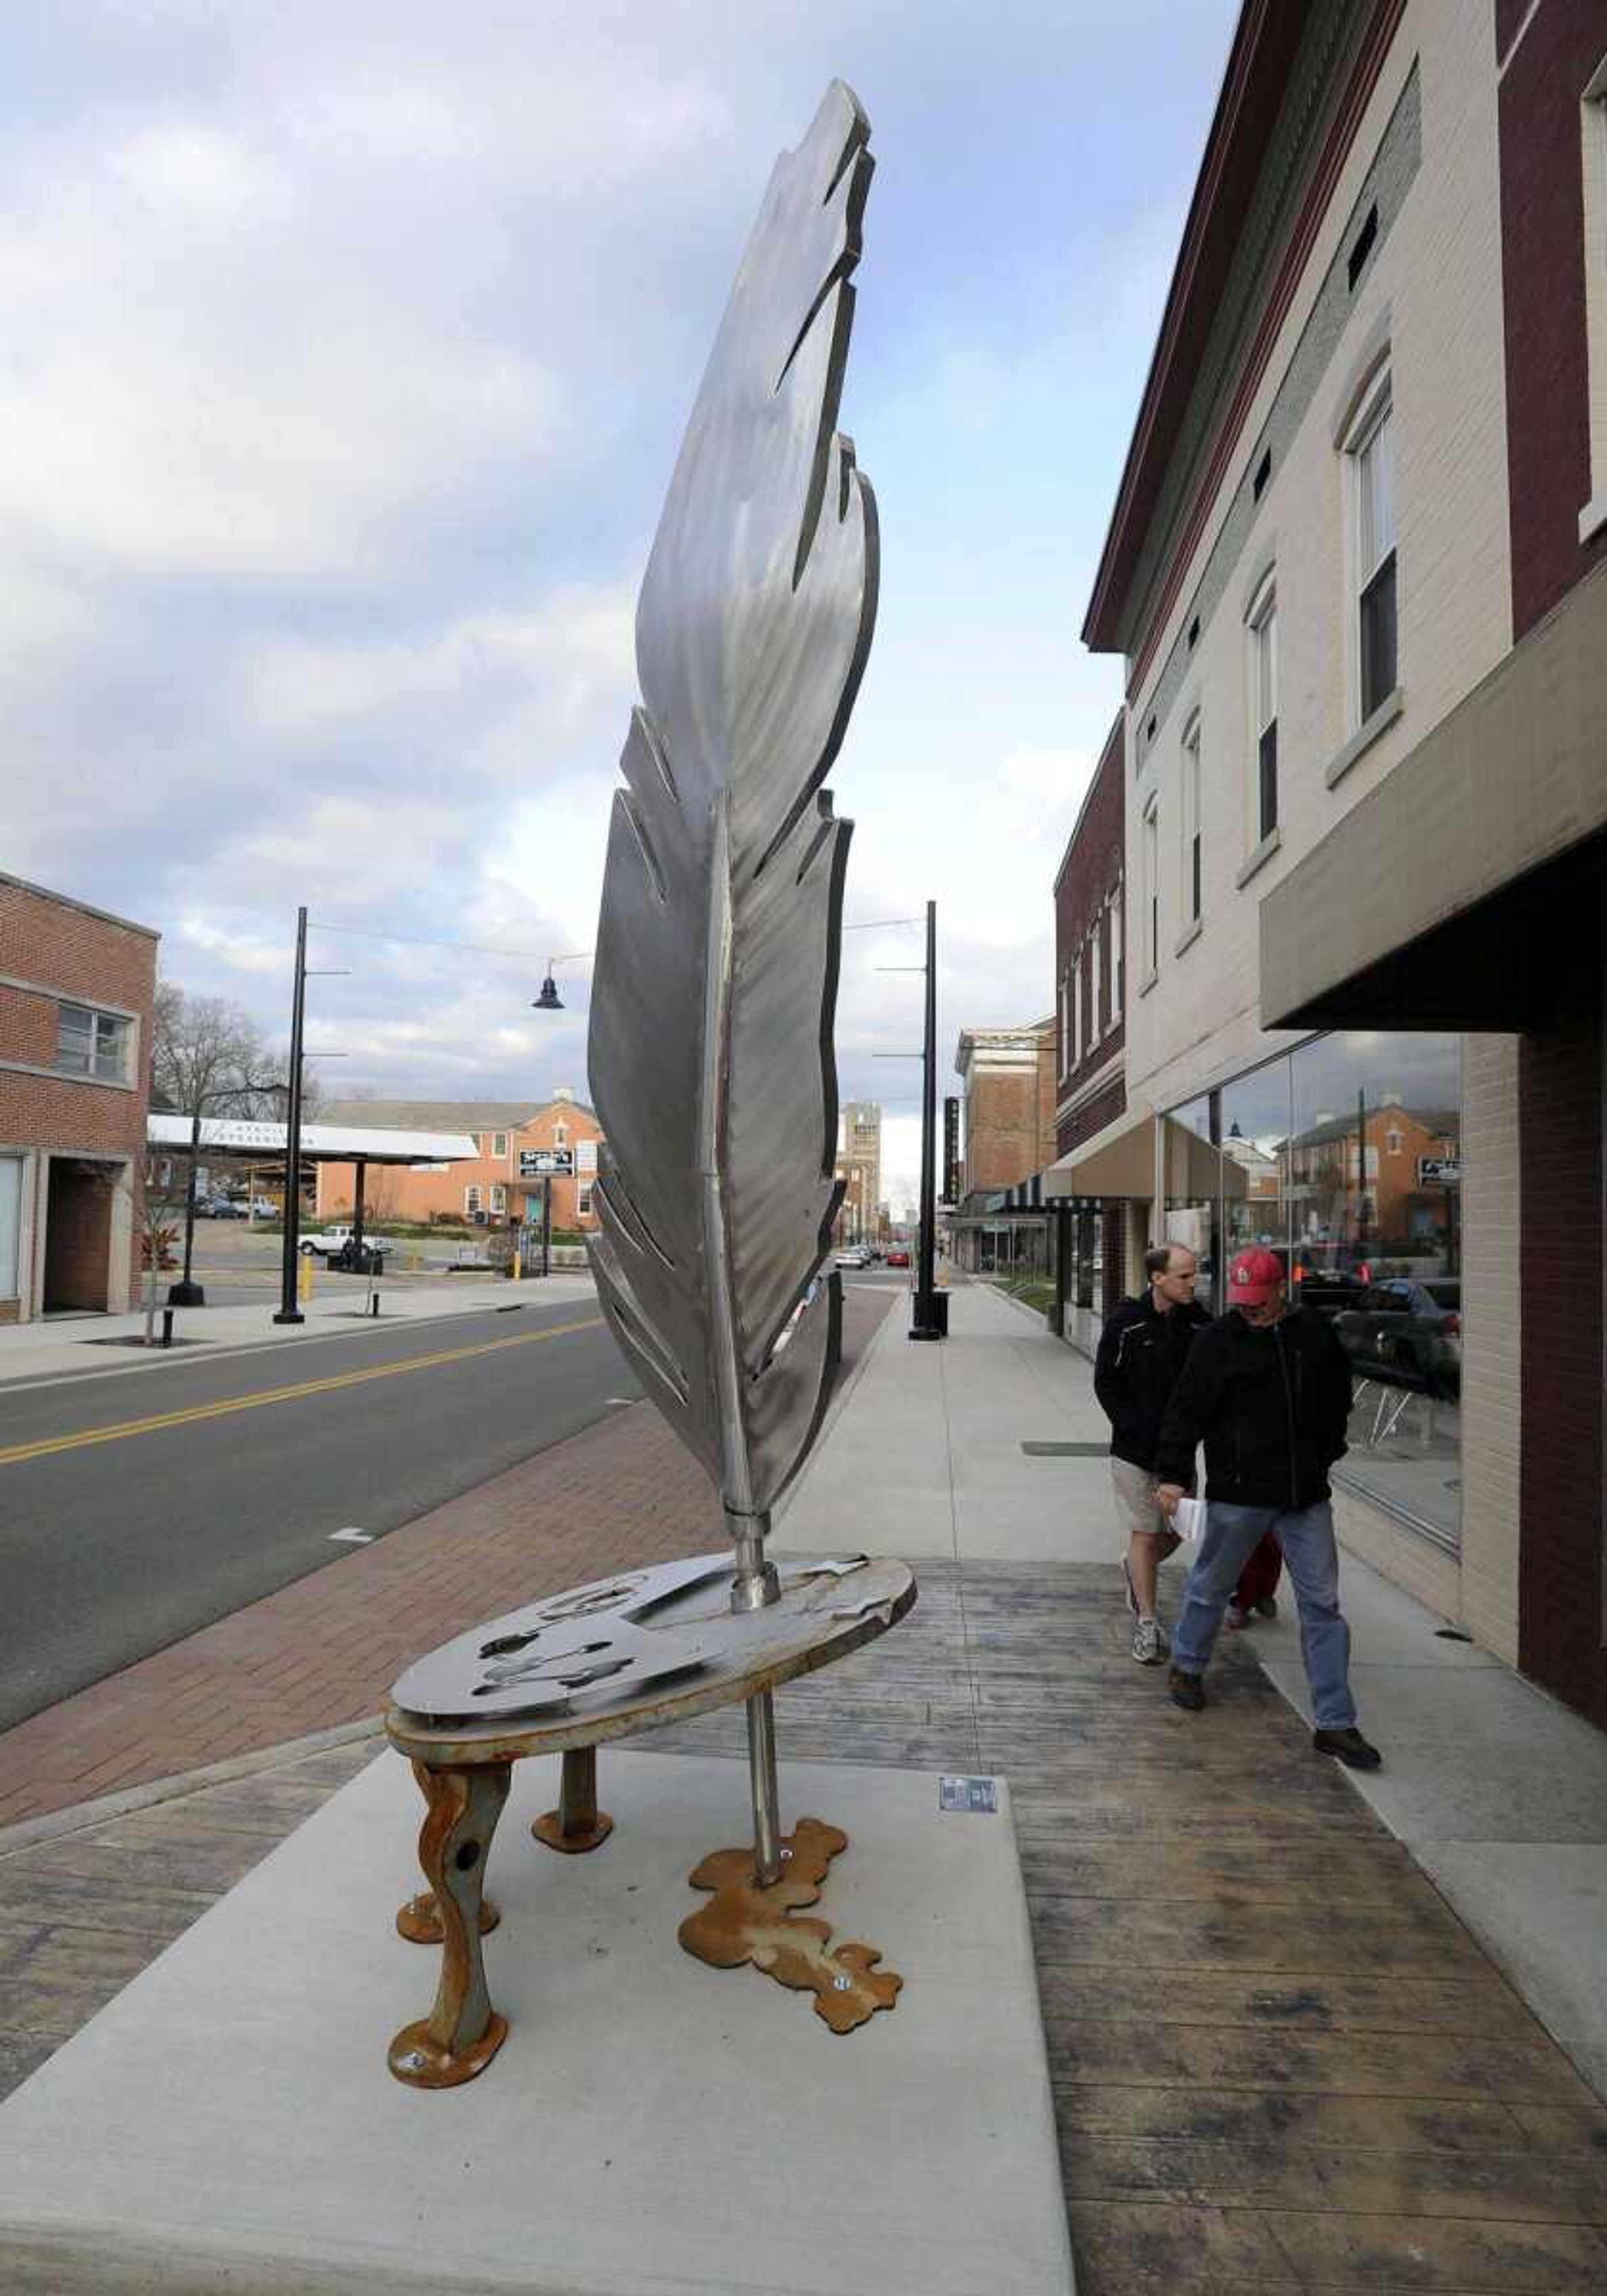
point(649, 2126)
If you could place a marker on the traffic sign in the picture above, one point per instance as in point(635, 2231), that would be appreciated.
point(535, 1163)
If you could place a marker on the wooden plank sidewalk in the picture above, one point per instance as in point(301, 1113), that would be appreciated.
point(1280, 2062)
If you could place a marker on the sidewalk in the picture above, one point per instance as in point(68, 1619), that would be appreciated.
point(1499, 1791)
point(1280, 2060)
point(68, 1346)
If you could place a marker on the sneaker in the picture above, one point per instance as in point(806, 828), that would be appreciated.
point(1236, 1618)
point(1186, 1690)
point(1128, 1581)
point(1267, 1607)
point(1150, 1645)
point(1349, 1746)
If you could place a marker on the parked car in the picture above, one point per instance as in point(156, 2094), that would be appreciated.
point(852, 1255)
point(338, 1245)
point(899, 1257)
point(1407, 1333)
point(224, 1208)
point(261, 1207)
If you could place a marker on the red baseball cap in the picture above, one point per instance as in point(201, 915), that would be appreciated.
point(1255, 1278)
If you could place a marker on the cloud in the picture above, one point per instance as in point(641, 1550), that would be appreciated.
point(344, 356)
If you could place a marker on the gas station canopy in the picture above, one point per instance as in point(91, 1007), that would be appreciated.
point(321, 1143)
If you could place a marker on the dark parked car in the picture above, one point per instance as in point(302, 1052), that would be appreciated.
point(1409, 1333)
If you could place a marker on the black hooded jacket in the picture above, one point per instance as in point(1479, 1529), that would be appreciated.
point(1271, 1407)
point(1140, 1359)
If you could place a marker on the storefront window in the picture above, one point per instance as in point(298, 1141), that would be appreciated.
point(1376, 1199)
point(1192, 1174)
point(1256, 1125)
point(10, 1210)
point(1346, 1158)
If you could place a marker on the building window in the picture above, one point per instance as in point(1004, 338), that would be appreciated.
point(1263, 708)
point(1077, 1010)
point(499, 1197)
point(1119, 955)
point(1065, 1027)
point(1593, 124)
point(560, 1134)
point(1191, 819)
point(499, 1143)
point(90, 1044)
point(10, 1224)
point(471, 1200)
point(1370, 456)
point(1096, 1024)
point(1152, 889)
point(476, 1138)
point(584, 1199)
point(1392, 1141)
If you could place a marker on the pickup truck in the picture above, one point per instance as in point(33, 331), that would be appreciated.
point(332, 1244)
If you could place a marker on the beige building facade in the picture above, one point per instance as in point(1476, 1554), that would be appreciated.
point(1351, 728)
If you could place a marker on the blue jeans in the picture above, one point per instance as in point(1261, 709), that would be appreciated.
point(1232, 1535)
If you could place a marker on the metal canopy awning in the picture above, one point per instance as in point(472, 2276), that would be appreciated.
point(321, 1143)
point(1121, 1161)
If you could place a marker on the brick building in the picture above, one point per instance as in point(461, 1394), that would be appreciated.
point(77, 989)
point(1355, 570)
point(1090, 969)
point(860, 1217)
point(1009, 1079)
point(488, 1193)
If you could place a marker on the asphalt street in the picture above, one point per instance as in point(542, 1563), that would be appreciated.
point(136, 1510)
point(184, 1492)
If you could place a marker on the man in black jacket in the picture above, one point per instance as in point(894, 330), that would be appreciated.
point(1266, 1389)
point(1141, 1351)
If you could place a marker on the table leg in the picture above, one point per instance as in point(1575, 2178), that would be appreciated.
point(463, 2032)
point(577, 1823)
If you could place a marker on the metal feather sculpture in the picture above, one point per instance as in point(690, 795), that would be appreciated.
point(710, 1052)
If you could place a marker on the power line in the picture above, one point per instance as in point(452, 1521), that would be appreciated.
point(413, 940)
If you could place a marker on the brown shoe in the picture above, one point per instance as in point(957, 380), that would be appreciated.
point(1187, 1690)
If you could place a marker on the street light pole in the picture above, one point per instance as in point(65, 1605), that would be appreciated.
point(929, 1322)
point(289, 1313)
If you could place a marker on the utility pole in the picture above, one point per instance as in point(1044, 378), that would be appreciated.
point(930, 1312)
point(288, 1312)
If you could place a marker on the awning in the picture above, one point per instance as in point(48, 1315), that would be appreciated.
point(1120, 1161)
point(321, 1143)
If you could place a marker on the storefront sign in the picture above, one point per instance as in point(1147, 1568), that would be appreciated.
point(1438, 1171)
point(536, 1163)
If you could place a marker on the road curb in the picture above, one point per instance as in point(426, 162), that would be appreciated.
point(81, 1816)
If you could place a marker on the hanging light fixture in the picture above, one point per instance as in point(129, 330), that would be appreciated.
point(549, 1000)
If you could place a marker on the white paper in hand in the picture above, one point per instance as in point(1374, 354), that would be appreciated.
point(1189, 1520)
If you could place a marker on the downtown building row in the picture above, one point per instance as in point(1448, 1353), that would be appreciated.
point(1331, 929)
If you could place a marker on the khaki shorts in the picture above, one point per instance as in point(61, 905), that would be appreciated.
point(1135, 1503)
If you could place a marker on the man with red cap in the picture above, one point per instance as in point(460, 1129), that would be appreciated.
point(1266, 1389)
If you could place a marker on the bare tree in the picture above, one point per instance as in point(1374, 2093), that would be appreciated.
point(202, 1047)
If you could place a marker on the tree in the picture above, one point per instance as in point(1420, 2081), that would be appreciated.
point(204, 1047)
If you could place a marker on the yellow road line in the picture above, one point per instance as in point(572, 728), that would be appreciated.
point(17, 1452)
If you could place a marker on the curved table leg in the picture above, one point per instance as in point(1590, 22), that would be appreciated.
point(577, 1823)
point(463, 2032)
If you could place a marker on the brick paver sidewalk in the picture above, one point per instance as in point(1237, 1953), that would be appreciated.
point(326, 1649)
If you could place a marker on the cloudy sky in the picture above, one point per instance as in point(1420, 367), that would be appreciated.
point(345, 350)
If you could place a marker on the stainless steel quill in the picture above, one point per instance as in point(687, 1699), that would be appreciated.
point(710, 1052)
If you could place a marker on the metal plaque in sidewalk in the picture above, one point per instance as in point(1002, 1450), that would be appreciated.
point(979, 1797)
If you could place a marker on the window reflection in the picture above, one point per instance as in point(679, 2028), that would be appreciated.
point(1193, 1187)
point(1345, 1158)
